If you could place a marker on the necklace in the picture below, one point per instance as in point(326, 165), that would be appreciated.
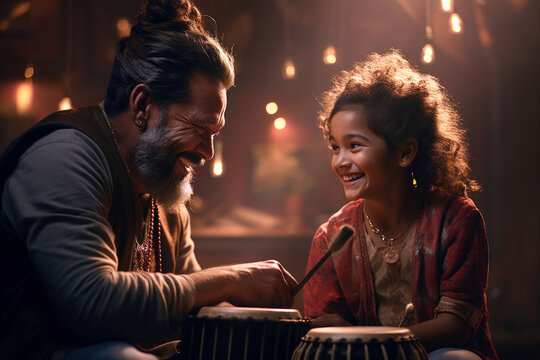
point(391, 252)
point(145, 251)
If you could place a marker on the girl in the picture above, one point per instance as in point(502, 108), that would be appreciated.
point(398, 149)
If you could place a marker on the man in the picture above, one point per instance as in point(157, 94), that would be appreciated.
point(96, 250)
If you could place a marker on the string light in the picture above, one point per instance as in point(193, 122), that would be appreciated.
point(289, 70)
point(427, 54)
point(280, 123)
point(447, 5)
point(271, 108)
point(456, 23)
point(329, 55)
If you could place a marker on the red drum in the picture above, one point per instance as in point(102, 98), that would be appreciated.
point(242, 333)
point(360, 342)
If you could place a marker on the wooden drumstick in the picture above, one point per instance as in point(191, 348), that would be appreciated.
point(339, 240)
point(408, 310)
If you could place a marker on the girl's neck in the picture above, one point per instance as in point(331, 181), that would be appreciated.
point(391, 215)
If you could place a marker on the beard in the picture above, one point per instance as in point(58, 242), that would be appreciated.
point(154, 161)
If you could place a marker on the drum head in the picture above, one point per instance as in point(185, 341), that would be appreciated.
point(352, 333)
point(248, 313)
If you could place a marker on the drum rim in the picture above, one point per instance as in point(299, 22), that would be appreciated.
point(354, 333)
point(233, 312)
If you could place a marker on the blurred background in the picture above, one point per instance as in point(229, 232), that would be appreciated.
point(270, 184)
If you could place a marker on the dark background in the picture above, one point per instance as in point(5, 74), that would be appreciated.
point(270, 206)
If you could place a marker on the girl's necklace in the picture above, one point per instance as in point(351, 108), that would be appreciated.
point(391, 252)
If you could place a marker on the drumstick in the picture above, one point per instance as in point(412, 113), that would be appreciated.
point(408, 309)
point(339, 240)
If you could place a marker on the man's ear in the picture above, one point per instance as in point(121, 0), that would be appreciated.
point(139, 105)
point(407, 152)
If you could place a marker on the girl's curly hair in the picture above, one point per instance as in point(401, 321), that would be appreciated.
point(402, 103)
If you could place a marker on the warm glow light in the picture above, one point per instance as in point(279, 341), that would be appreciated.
point(280, 123)
point(289, 71)
point(123, 27)
point(20, 9)
point(29, 71)
point(329, 56)
point(271, 108)
point(427, 54)
point(65, 104)
point(447, 5)
point(217, 168)
point(23, 97)
point(455, 23)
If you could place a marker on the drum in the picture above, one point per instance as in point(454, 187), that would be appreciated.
point(242, 333)
point(359, 342)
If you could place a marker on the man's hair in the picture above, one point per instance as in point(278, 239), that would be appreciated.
point(402, 103)
point(166, 45)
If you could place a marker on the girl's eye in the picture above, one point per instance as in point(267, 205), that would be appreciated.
point(334, 148)
point(355, 145)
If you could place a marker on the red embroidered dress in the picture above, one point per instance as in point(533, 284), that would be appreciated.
point(449, 259)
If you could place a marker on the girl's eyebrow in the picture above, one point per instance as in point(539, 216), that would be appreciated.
point(350, 136)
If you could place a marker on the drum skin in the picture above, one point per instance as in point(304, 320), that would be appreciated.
point(360, 342)
point(242, 334)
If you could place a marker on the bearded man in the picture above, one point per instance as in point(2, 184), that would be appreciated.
point(95, 239)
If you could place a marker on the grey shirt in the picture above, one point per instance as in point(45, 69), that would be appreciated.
point(57, 201)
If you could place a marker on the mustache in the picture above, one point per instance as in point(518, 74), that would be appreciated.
point(194, 158)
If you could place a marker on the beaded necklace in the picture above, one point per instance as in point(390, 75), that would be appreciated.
point(145, 252)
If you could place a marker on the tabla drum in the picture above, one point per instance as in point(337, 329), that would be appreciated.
point(360, 342)
point(242, 333)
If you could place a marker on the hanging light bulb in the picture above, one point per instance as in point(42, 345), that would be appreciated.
point(271, 108)
point(289, 70)
point(217, 164)
point(447, 5)
point(23, 97)
point(455, 23)
point(29, 71)
point(329, 55)
point(217, 169)
point(280, 123)
point(427, 54)
point(123, 27)
point(65, 104)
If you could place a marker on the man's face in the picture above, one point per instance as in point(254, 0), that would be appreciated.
point(180, 139)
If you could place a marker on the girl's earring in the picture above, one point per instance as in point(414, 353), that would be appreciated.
point(414, 182)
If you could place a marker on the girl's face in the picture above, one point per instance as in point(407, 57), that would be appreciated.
point(361, 159)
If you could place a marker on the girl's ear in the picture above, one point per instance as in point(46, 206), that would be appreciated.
point(407, 152)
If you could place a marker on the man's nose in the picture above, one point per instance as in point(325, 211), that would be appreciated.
point(206, 148)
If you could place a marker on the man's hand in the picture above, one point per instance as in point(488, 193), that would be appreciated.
point(262, 284)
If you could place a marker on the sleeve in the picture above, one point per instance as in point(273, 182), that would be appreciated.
point(57, 199)
point(322, 293)
point(465, 264)
point(186, 262)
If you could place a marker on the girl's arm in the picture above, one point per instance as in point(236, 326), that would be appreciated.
point(446, 330)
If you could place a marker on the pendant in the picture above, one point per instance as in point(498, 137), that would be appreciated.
point(391, 254)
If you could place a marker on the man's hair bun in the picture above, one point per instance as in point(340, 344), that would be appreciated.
point(159, 12)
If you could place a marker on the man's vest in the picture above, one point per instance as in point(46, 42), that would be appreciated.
point(22, 296)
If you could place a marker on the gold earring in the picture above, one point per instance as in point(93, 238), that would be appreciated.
point(139, 123)
point(414, 182)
